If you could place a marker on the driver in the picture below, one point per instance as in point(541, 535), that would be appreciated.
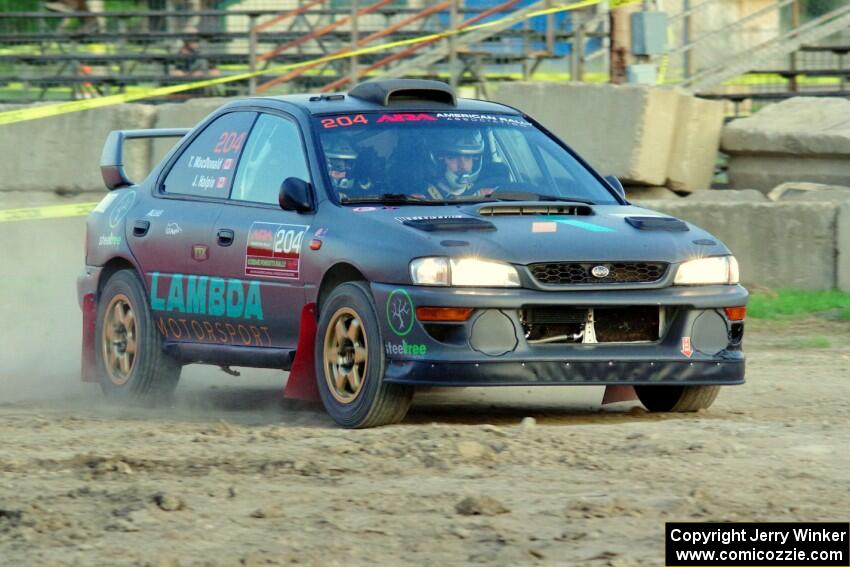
point(341, 159)
point(457, 163)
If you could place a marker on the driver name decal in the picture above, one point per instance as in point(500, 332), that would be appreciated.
point(274, 250)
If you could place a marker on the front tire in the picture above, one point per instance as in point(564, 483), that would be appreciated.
point(130, 362)
point(350, 362)
point(677, 398)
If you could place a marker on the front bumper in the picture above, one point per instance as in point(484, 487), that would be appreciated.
point(576, 373)
point(491, 348)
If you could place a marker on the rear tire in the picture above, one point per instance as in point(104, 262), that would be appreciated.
point(677, 398)
point(350, 362)
point(130, 362)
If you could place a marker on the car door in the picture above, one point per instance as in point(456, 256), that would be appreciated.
point(173, 239)
point(268, 242)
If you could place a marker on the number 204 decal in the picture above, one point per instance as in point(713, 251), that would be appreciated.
point(343, 121)
point(229, 142)
point(274, 250)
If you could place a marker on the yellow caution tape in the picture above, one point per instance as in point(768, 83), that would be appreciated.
point(51, 212)
point(48, 110)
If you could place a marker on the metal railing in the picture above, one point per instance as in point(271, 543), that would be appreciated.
point(81, 54)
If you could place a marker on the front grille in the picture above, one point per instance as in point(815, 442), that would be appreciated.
point(570, 273)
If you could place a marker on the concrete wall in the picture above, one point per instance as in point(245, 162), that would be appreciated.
point(643, 135)
point(842, 266)
point(778, 245)
point(62, 153)
point(800, 139)
point(699, 123)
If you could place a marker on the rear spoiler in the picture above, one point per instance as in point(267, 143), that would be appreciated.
point(112, 158)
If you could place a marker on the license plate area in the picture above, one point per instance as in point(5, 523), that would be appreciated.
point(566, 325)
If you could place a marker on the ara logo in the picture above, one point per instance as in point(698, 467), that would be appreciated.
point(400, 312)
point(205, 295)
point(403, 117)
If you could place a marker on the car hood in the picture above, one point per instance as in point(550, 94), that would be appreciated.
point(602, 236)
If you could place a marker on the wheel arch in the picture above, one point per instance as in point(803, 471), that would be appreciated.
point(114, 265)
point(337, 274)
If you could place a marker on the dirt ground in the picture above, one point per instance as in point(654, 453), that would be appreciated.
point(233, 475)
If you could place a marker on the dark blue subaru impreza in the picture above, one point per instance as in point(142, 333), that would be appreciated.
point(391, 237)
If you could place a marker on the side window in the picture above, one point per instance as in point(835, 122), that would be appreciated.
point(206, 167)
point(273, 153)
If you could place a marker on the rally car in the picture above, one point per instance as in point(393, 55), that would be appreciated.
point(392, 237)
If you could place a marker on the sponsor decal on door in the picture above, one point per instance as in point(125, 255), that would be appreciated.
point(274, 250)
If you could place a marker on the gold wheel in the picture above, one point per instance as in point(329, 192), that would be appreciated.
point(345, 355)
point(119, 342)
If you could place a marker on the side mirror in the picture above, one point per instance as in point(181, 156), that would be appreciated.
point(615, 183)
point(296, 195)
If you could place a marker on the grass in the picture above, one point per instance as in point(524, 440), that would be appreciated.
point(784, 304)
point(815, 342)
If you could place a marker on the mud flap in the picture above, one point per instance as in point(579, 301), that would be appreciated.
point(88, 372)
point(614, 394)
point(302, 377)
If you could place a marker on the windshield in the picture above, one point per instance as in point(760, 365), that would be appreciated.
point(434, 157)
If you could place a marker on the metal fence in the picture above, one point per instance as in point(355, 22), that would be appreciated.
point(79, 53)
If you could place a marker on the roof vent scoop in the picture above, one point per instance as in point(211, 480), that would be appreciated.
point(404, 90)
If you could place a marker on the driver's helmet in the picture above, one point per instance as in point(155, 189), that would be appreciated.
point(467, 143)
point(341, 157)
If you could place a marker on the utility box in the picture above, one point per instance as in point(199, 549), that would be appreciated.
point(642, 74)
point(649, 33)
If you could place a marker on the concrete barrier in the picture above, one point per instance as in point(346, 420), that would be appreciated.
point(797, 191)
point(62, 153)
point(842, 241)
point(699, 123)
point(800, 139)
point(778, 245)
point(728, 196)
point(624, 131)
point(648, 136)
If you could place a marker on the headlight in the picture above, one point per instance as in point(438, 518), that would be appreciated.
point(715, 270)
point(463, 272)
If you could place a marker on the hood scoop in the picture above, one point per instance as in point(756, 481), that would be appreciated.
point(569, 209)
point(668, 224)
point(449, 224)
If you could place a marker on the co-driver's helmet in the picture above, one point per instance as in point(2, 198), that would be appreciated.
point(341, 157)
